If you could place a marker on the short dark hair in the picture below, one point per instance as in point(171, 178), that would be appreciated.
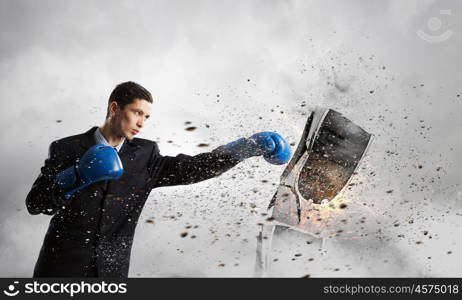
point(126, 93)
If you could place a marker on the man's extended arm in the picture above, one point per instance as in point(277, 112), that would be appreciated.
point(185, 169)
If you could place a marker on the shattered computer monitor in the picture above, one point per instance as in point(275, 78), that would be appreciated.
point(329, 152)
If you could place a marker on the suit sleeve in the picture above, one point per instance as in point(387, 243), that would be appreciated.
point(45, 197)
point(185, 169)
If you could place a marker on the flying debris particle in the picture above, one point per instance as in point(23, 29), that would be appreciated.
point(193, 236)
point(191, 128)
point(449, 252)
point(221, 265)
point(59, 121)
point(298, 254)
point(150, 221)
point(248, 80)
point(420, 166)
point(371, 92)
point(207, 126)
point(187, 123)
point(184, 234)
point(341, 88)
point(306, 276)
point(169, 141)
point(418, 242)
point(389, 191)
point(270, 219)
point(202, 145)
point(342, 206)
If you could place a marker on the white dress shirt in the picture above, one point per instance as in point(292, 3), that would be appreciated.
point(99, 138)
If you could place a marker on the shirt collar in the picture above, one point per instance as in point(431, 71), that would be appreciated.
point(99, 138)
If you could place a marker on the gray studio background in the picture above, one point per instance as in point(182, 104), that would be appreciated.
point(233, 68)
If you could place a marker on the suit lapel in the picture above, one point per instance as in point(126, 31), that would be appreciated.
point(128, 150)
point(88, 138)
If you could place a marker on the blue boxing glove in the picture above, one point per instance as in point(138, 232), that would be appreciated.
point(99, 163)
point(274, 148)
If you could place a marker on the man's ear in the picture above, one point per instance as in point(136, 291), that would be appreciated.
point(113, 107)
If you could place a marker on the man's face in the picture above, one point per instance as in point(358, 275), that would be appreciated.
point(129, 121)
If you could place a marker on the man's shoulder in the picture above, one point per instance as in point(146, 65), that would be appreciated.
point(145, 146)
point(143, 142)
point(68, 140)
point(73, 140)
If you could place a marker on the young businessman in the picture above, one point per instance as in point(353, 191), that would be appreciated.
point(95, 185)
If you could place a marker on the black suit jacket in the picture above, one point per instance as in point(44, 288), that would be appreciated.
point(92, 233)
